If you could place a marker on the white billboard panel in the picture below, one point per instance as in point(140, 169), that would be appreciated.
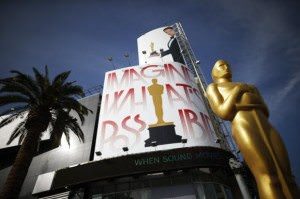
point(151, 107)
point(159, 46)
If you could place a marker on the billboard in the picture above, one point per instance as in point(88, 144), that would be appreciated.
point(151, 107)
point(159, 46)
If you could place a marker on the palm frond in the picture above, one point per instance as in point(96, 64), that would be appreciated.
point(10, 118)
point(59, 122)
point(47, 73)
point(61, 78)
point(15, 109)
point(22, 136)
point(69, 83)
point(11, 99)
point(40, 79)
point(17, 87)
point(67, 134)
point(46, 77)
point(75, 128)
point(19, 130)
point(72, 104)
point(27, 80)
point(72, 90)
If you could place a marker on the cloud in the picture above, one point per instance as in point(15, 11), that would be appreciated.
point(263, 30)
point(283, 93)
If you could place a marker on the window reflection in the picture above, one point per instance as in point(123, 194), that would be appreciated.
point(191, 191)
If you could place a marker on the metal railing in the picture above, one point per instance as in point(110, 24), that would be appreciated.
point(91, 91)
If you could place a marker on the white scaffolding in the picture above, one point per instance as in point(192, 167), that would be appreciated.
point(223, 136)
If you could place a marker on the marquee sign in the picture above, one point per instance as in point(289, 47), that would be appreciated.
point(137, 164)
point(151, 106)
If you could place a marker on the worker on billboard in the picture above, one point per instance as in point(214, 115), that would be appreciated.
point(173, 46)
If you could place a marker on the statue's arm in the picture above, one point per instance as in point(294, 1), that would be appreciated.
point(265, 107)
point(224, 108)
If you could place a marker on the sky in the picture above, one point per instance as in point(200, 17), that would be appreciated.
point(260, 39)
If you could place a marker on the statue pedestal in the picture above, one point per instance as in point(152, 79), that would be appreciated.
point(162, 134)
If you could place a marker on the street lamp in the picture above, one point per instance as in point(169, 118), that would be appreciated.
point(110, 59)
point(126, 55)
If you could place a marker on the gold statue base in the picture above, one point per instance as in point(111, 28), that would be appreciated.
point(161, 124)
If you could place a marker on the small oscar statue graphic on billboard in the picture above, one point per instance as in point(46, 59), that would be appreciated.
point(161, 132)
point(153, 52)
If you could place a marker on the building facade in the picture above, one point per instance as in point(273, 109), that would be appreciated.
point(151, 135)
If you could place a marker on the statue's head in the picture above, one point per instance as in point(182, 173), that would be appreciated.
point(154, 81)
point(221, 70)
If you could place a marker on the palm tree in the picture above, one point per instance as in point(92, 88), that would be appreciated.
point(43, 103)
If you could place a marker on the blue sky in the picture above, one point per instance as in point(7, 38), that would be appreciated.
point(259, 38)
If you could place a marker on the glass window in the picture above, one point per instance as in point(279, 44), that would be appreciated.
point(219, 191)
point(209, 191)
point(200, 191)
point(228, 193)
point(212, 191)
point(142, 194)
point(168, 192)
point(174, 192)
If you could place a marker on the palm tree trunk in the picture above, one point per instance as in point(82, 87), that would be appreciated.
point(18, 172)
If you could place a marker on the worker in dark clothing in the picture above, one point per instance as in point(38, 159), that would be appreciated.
point(173, 46)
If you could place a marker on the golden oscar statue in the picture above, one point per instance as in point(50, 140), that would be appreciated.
point(156, 90)
point(260, 144)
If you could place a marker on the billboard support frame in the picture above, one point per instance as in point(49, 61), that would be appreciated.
point(190, 60)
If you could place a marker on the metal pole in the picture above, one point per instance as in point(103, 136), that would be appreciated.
point(126, 55)
point(192, 63)
point(236, 168)
point(110, 59)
